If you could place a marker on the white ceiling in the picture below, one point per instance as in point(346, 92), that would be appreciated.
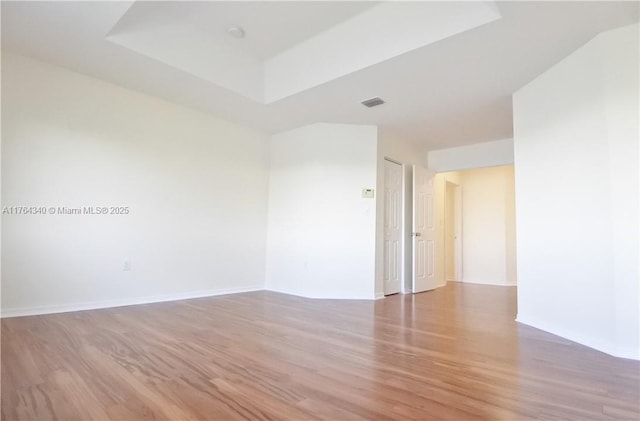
point(271, 26)
point(453, 91)
point(340, 39)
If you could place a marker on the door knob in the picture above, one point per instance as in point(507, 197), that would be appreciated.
point(417, 234)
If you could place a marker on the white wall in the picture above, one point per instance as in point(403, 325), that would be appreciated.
point(407, 154)
point(576, 154)
point(488, 226)
point(196, 187)
point(487, 154)
point(321, 231)
point(450, 231)
point(1, 218)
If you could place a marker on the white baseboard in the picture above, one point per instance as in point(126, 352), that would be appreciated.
point(597, 344)
point(94, 305)
point(322, 296)
point(488, 283)
point(379, 295)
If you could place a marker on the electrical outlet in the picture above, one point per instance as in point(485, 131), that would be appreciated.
point(126, 266)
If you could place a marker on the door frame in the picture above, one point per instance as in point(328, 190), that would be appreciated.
point(403, 226)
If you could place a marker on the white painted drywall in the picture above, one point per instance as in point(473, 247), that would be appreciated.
point(576, 154)
point(321, 231)
point(450, 232)
point(510, 232)
point(488, 226)
point(1, 218)
point(191, 49)
point(405, 153)
point(370, 37)
point(345, 45)
point(487, 154)
point(196, 187)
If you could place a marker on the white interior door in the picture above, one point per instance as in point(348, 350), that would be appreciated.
point(424, 274)
point(392, 227)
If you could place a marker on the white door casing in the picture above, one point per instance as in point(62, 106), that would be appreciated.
point(392, 273)
point(424, 276)
point(458, 234)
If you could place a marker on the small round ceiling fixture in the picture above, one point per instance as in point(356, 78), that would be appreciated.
point(236, 31)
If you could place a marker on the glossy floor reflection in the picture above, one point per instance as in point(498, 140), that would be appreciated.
point(454, 353)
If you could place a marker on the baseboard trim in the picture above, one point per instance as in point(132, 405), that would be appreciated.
point(96, 305)
point(489, 283)
point(322, 296)
point(578, 338)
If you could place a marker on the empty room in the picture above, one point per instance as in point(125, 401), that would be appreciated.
point(320, 210)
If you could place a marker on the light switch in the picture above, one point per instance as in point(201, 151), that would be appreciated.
point(367, 193)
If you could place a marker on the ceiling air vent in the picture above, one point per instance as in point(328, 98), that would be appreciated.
point(372, 102)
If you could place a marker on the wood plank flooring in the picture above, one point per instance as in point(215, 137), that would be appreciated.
point(450, 354)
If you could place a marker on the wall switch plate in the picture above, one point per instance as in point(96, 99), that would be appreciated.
point(367, 193)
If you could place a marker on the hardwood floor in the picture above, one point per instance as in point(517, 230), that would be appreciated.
point(454, 354)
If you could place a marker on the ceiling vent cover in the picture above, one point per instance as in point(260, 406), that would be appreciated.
point(372, 102)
